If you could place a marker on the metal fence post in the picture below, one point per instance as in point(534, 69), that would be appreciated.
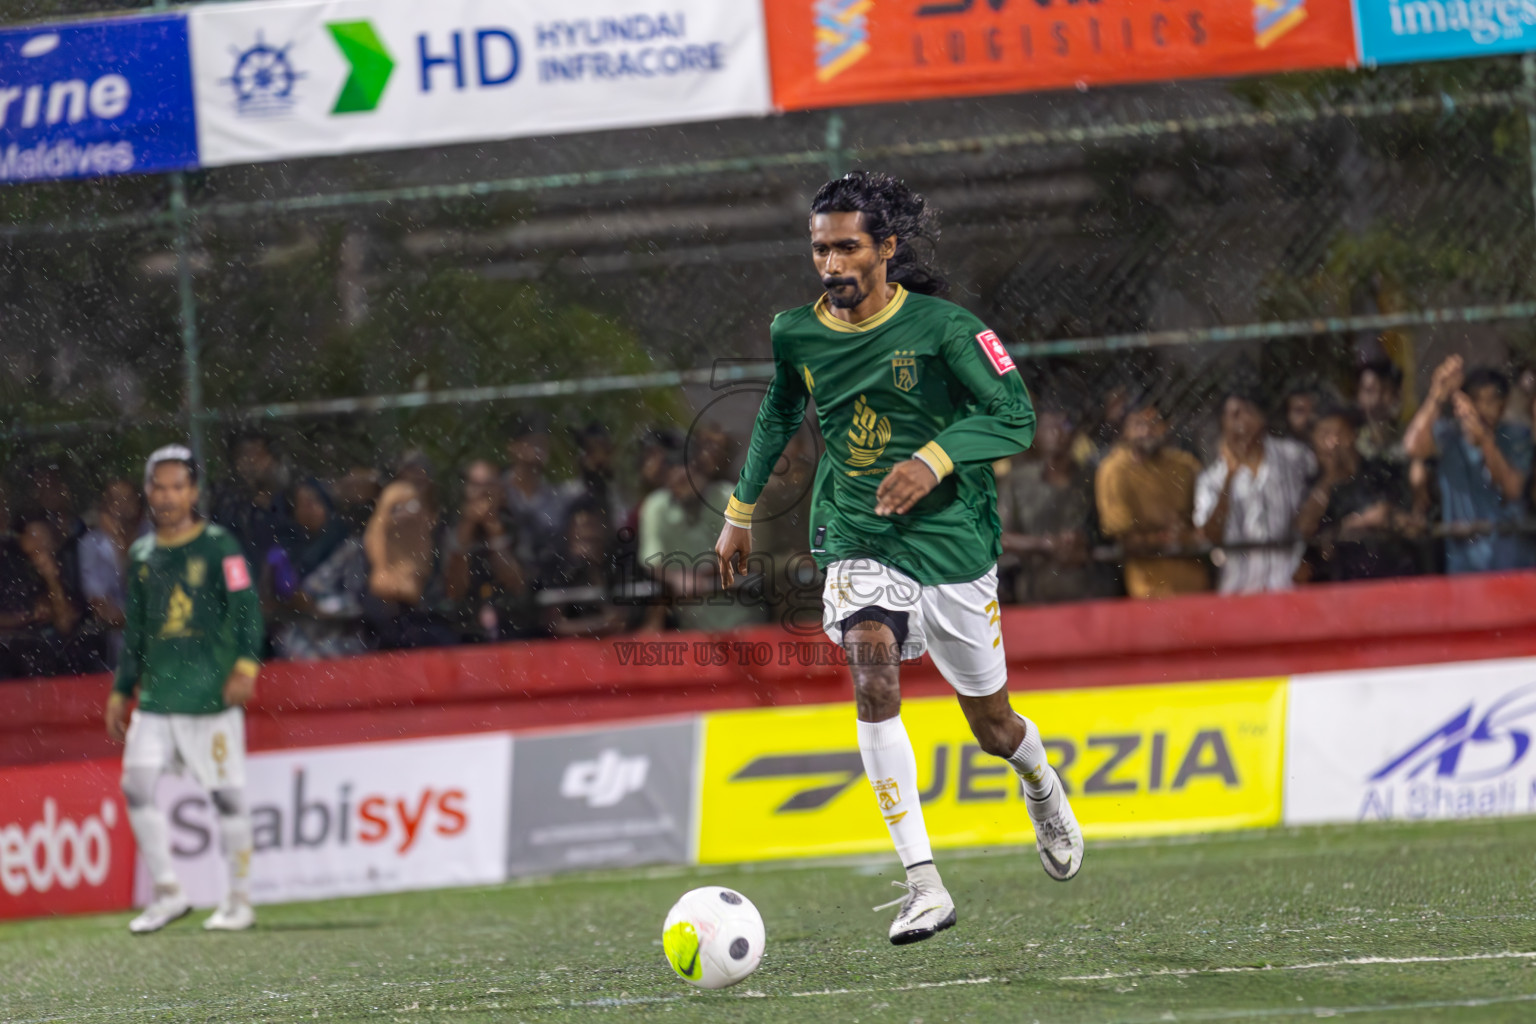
point(186, 301)
point(1528, 96)
point(837, 156)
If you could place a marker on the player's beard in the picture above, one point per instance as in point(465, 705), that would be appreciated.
point(848, 300)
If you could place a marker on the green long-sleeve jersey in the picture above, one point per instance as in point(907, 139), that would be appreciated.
point(192, 616)
point(922, 378)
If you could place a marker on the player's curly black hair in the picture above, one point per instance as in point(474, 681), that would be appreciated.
point(889, 208)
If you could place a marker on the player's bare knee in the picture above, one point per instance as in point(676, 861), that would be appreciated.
point(877, 692)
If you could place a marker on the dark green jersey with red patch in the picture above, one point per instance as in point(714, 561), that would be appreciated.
point(192, 615)
point(921, 377)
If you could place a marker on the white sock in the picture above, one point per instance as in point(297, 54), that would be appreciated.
point(235, 832)
point(1029, 761)
point(892, 769)
point(149, 831)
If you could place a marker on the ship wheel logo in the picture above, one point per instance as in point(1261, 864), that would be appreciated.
point(263, 79)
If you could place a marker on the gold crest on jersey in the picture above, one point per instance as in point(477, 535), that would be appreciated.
point(904, 370)
point(868, 435)
point(197, 572)
point(178, 614)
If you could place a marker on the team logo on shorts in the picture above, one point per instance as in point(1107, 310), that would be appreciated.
point(197, 572)
point(904, 370)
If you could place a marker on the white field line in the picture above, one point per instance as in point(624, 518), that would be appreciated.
point(894, 988)
point(1327, 1011)
point(753, 994)
point(1185, 972)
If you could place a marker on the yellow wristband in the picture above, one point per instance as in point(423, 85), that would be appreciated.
point(739, 513)
point(936, 459)
point(248, 666)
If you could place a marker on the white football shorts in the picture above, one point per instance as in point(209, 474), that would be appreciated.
point(211, 748)
point(957, 624)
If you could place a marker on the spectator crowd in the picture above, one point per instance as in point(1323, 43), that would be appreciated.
point(1315, 488)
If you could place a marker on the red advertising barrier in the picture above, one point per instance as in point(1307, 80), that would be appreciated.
point(840, 52)
point(545, 683)
point(65, 844)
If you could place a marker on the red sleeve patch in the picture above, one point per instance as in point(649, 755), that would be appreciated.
point(992, 345)
point(237, 576)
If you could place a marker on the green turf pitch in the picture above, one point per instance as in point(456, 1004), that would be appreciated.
point(1255, 926)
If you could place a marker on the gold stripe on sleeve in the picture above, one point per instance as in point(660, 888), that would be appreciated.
point(937, 458)
point(739, 513)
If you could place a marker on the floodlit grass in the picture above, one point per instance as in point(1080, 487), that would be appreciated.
point(1387, 922)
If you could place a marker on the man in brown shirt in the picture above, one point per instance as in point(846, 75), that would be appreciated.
point(1146, 496)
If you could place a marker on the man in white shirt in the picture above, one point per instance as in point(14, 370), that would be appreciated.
point(1250, 494)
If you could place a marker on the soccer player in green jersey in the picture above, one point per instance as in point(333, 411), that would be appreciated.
point(190, 648)
point(916, 399)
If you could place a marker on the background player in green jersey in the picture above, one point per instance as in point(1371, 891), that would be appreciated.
point(916, 399)
point(190, 649)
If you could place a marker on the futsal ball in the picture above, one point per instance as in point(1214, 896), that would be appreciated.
point(713, 937)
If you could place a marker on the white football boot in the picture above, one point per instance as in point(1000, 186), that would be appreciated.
point(233, 915)
point(170, 905)
point(926, 909)
point(1057, 836)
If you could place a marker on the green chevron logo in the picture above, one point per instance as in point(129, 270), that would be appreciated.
point(371, 66)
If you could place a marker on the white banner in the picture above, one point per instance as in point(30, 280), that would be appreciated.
point(290, 79)
point(344, 821)
point(1442, 741)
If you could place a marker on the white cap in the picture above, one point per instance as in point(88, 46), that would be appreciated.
point(170, 453)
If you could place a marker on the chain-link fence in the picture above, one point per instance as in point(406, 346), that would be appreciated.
point(1154, 241)
point(1156, 237)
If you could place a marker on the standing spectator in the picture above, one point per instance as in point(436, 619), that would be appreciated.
point(1146, 496)
point(594, 481)
point(708, 452)
point(104, 559)
point(317, 579)
point(1357, 518)
point(1301, 413)
point(1103, 427)
point(355, 492)
point(678, 529)
point(404, 584)
point(250, 503)
point(1484, 464)
point(52, 635)
point(576, 580)
point(1379, 397)
point(1250, 495)
point(1045, 503)
point(535, 508)
point(657, 453)
point(781, 534)
point(482, 578)
point(49, 492)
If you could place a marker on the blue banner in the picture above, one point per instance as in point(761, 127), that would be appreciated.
point(1398, 31)
point(94, 98)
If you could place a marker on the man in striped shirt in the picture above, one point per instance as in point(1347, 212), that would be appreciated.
point(1250, 495)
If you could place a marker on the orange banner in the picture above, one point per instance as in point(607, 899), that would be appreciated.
point(841, 52)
